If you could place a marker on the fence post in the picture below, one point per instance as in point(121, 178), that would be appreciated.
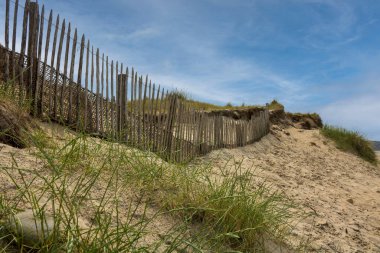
point(170, 124)
point(32, 52)
point(13, 60)
point(6, 42)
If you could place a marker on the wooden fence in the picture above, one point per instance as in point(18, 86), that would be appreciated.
point(66, 80)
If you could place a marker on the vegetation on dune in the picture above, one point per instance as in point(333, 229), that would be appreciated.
point(275, 105)
point(198, 105)
point(351, 141)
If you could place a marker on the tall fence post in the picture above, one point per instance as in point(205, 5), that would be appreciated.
point(6, 74)
point(32, 52)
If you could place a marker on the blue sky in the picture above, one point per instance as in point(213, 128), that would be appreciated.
point(312, 55)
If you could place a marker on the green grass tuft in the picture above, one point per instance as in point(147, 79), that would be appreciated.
point(351, 141)
point(275, 105)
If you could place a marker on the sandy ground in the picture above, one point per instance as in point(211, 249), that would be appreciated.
point(339, 192)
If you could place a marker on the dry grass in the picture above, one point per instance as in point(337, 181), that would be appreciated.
point(351, 141)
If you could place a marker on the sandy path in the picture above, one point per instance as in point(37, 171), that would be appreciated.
point(340, 191)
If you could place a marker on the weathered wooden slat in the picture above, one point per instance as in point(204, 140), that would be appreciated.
point(164, 112)
point(86, 87)
point(92, 70)
point(13, 56)
point(179, 125)
point(167, 108)
point(186, 132)
point(144, 113)
point(160, 130)
point(102, 96)
point(37, 93)
point(188, 115)
point(195, 134)
point(198, 126)
point(121, 102)
point(64, 77)
point(79, 82)
point(52, 69)
point(6, 35)
point(135, 109)
point(132, 135)
point(97, 91)
point(107, 125)
point(186, 120)
point(112, 103)
point(191, 132)
point(57, 72)
point(127, 121)
point(117, 101)
point(6, 74)
point(71, 78)
point(137, 103)
point(32, 52)
point(172, 113)
point(150, 117)
point(139, 126)
point(93, 98)
point(156, 121)
point(22, 52)
point(44, 77)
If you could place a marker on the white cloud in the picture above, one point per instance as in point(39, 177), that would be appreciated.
point(358, 113)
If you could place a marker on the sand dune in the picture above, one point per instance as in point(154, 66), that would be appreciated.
point(339, 192)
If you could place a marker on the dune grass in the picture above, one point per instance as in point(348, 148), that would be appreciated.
point(204, 106)
point(351, 141)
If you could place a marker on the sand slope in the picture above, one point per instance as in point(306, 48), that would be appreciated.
point(339, 191)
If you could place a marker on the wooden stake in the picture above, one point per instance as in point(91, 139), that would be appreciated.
point(52, 64)
point(57, 72)
point(79, 80)
point(6, 74)
point(86, 86)
point(47, 44)
point(38, 92)
point(13, 60)
point(97, 90)
point(71, 81)
point(64, 81)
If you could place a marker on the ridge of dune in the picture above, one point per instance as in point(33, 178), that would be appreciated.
point(338, 191)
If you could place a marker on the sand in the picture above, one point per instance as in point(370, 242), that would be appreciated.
point(339, 192)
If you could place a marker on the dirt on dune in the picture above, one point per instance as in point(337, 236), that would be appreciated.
point(338, 192)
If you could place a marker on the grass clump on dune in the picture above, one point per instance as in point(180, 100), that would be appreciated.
point(351, 141)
